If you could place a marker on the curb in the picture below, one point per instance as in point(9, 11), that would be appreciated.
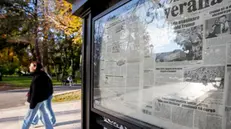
point(21, 89)
point(65, 92)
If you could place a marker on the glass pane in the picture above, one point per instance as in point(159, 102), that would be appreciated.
point(165, 63)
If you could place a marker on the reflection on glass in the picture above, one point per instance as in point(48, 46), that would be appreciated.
point(152, 62)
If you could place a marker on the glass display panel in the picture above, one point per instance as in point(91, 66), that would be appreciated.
point(165, 62)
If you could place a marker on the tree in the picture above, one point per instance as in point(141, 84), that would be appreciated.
point(18, 22)
point(65, 34)
point(37, 26)
point(72, 24)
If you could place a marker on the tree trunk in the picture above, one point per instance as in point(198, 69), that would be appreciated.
point(33, 52)
point(45, 57)
point(38, 56)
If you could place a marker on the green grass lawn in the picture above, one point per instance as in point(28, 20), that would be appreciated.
point(16, 81)
point(21, 81)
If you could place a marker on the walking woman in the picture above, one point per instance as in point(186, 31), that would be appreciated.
point(49, 110)
point(40, 90)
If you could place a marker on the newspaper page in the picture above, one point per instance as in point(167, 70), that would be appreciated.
point(112, 77)
point(194, 97)
point(164, 62)
point(217, 34)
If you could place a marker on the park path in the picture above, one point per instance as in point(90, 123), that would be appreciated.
point(17, 97)
point(68, 116)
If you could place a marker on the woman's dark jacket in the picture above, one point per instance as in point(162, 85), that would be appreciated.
point(41, 88)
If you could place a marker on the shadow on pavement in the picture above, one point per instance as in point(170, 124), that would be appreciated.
point(67, 112)
point(16, 118)
point(67, 123)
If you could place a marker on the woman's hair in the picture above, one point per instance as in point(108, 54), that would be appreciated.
point(38, 65)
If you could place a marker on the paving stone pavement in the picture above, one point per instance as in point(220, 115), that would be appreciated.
point(68, 115)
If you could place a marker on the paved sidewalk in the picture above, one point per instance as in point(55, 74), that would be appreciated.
point(68, 115)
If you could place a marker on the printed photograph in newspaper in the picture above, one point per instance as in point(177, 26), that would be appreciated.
point(210, 76)
point(188, 46)
point(219, 26)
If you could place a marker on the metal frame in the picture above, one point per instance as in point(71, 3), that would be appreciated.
point(129, 122)
point(85, 72)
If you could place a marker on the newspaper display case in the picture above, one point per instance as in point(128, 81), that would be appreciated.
point(159, 64)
